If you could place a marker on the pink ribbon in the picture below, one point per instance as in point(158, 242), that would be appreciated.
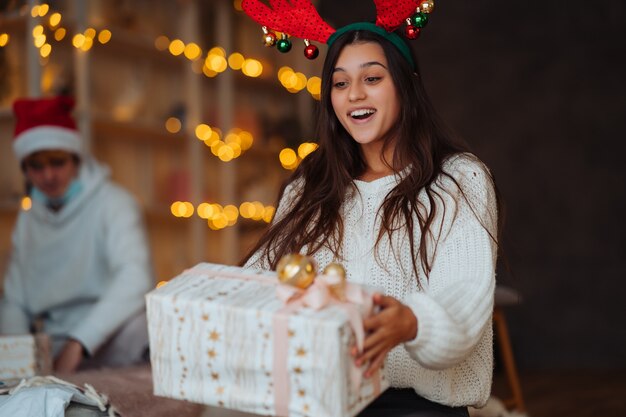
point(356, 303)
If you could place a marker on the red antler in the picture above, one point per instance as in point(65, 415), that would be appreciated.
point(390, 14)
point(295, 17)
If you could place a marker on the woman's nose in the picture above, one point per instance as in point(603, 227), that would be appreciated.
point(357, 92)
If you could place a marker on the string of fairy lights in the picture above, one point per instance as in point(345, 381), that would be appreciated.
point(226, 147)
point(219, 217)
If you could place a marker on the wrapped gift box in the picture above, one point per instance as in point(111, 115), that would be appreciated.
point(24, 356)
point(220, 336)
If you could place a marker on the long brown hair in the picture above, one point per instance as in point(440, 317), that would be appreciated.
point(422, 143)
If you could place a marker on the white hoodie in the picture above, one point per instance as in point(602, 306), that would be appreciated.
point(84, 269)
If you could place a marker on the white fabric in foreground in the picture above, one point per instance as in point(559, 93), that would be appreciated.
point(49, 397)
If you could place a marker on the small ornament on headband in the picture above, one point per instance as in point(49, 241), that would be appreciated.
point(427, 6)
point(269, 38)
point(411, 31)
point(283, 44)
point(420, 19)
point(311, 51)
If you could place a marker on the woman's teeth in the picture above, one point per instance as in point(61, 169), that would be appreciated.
point(362, 113)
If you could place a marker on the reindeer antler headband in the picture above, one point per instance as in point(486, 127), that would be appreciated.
point(300, 19)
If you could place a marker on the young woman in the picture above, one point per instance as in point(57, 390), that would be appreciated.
point(403, 207)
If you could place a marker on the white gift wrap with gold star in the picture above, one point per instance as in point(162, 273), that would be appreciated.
point(212, 342)
point(24, 356)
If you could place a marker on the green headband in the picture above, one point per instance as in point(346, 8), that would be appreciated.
point(371, 27)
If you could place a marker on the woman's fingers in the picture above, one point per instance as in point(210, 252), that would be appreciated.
point(375, 365)
point(372, 349)
point(394, 324)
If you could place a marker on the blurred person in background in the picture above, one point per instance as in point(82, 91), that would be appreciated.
point(80, 263)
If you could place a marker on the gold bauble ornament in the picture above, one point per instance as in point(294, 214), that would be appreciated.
point(427, 6)
point(269, 39)
point(335, 269)
point(338, 290)
point(297, 270)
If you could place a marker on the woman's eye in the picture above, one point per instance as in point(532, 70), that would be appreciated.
point(340, 84)
point(372, 79)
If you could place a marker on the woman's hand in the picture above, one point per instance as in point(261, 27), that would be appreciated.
point(394, 324)
point(70, 357)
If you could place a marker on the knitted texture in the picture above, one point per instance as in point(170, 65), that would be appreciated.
point(295, 18)
point(390, 14)
point(451, 359)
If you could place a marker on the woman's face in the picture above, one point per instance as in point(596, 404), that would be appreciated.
point(363, 95)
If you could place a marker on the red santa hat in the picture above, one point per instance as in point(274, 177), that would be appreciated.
point(45, 124)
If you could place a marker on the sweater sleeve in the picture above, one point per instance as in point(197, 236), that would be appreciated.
point(456, 305)
point(127, 256)
point(14, 318)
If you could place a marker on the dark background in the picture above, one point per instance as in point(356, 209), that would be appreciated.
point(538, 90)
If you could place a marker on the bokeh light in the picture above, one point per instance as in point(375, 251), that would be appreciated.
point(26, 203)
point(203, 132)
point(78, 40)
point(182, 209)
point(90, 33)
point(236, 60)
point(40, 40)
point(54, 20)
point(43, 10)
point(104, 36)
point(288, 158)
point(216, 63)
point(192, 51)
point(252, 68)
point(176, 47)
point(246, 140)
point(173, 125)
point(59, 34)
point(37, 31)
point(162, 43)
point(306, 148)
point(45, 50)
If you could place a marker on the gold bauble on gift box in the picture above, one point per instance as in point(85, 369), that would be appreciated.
point(297, 270)
point(335, 269)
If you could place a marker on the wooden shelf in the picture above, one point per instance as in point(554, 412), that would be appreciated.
point(8, 212)
point(9, 207)
point(142, 133)
point(12, 22)
point(138, 47)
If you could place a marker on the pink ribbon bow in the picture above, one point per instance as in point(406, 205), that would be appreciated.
point(355, 302)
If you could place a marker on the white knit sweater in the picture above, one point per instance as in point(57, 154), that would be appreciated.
point(451, 359)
